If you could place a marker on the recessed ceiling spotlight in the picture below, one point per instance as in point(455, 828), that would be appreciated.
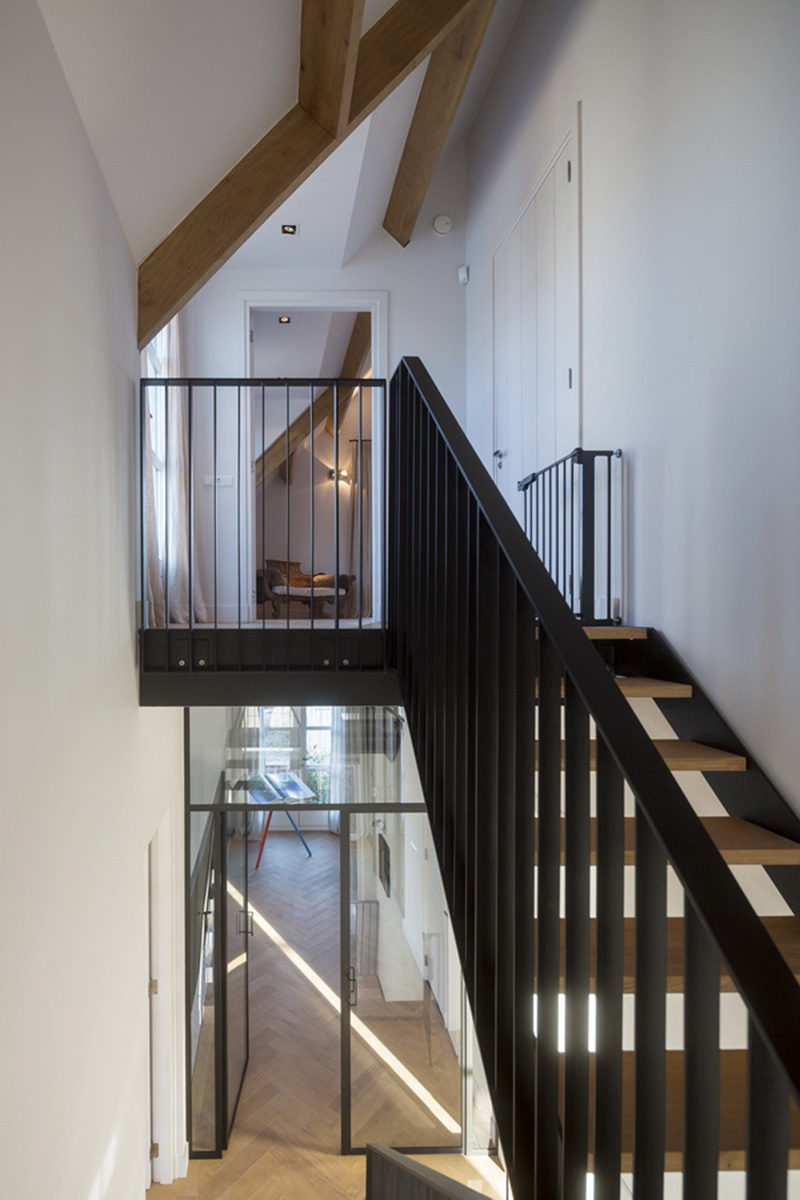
point(289, 230)
point(284, 320)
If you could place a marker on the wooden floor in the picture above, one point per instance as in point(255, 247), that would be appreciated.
point(286, 1140)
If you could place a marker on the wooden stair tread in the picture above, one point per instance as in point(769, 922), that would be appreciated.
point(733, 1111)
point(741, 843)
point(615, 633)
point(784, 931)
point(682, 755)
point(658, 689)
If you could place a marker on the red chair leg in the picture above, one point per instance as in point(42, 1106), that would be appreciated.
point(263, 839)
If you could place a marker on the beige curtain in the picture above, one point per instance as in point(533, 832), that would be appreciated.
point(168, 565)
point(361, 501)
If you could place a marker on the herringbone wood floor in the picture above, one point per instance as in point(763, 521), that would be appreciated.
point(286, 1139)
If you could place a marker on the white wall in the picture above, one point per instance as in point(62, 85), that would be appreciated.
point(426, 305)
point(87, 774)
point(691, 277)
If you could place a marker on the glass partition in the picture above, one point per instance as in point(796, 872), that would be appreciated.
point(402, 988)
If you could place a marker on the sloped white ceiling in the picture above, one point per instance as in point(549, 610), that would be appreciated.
point(174, 92)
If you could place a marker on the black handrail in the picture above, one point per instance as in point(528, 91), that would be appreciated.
point(487, 640)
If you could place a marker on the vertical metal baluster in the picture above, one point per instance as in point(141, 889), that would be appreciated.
point(650, 1018)
point(360, 486)
point(588, 537)
point(767, 1121)
point(700, 1060)
point(535, 539)
point(523, 1147)
point(144, 467)
point(239, 522)
point(312, 490)
point(548, 924)
point(336, 516)
point(166, 513)
point(263, 532)
point(287, 658)
point(576, 926)
point(486, 878)
point(506, 915)
point(216, 536)
point(609, 613)
point(564, 575)
point(389, 443)
point(572, 533)
point(550, 520)
point(190, 548)
point(610, 957)
point(473, 777)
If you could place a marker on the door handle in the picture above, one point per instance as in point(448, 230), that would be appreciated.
point(352, 997)
point(246, 925)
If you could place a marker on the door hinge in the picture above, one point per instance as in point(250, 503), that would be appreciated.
point(251, 337)
point(569, 180)
point(152, 987)
point(570, 377)
point(154, 1150)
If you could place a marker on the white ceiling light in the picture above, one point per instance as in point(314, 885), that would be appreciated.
point(443, 223)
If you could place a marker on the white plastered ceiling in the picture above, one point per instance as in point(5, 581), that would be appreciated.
point(173, 93)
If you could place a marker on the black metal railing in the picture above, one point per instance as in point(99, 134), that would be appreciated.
point(573, 517)
point(490, 657)
point(261, 512)
point(394, 1176)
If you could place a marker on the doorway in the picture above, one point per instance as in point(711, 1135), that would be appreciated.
point(536, 330)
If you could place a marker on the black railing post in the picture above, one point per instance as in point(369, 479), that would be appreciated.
point(548, 859)
point(587, 476)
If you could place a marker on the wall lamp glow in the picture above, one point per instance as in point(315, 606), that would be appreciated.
point(343, 475)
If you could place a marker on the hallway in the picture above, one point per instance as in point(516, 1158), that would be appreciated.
point(286, 1137)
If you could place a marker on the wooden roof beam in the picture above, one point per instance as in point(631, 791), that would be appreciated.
point(445, 79)
point(277, 165)
point(329, 38)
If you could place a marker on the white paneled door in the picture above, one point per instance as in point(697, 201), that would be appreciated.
point(536, 331)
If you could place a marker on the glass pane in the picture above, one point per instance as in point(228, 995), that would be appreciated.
point(202, 1013)
point(236, 949)
point(405, 989)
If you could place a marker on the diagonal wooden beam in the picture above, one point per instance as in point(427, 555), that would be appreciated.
point(354, 364)
point(445, 79)
point(281, 161)
point(284, 446)
point(329, 37)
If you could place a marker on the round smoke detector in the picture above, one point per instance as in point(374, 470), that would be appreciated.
point(443, 223)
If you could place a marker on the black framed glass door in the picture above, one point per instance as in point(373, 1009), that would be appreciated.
point(401, 999)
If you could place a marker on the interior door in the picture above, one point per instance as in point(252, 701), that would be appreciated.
point(238, 927)
point(535, 338)
point(401, 1065)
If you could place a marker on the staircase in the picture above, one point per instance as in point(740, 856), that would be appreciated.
point(544, 789)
